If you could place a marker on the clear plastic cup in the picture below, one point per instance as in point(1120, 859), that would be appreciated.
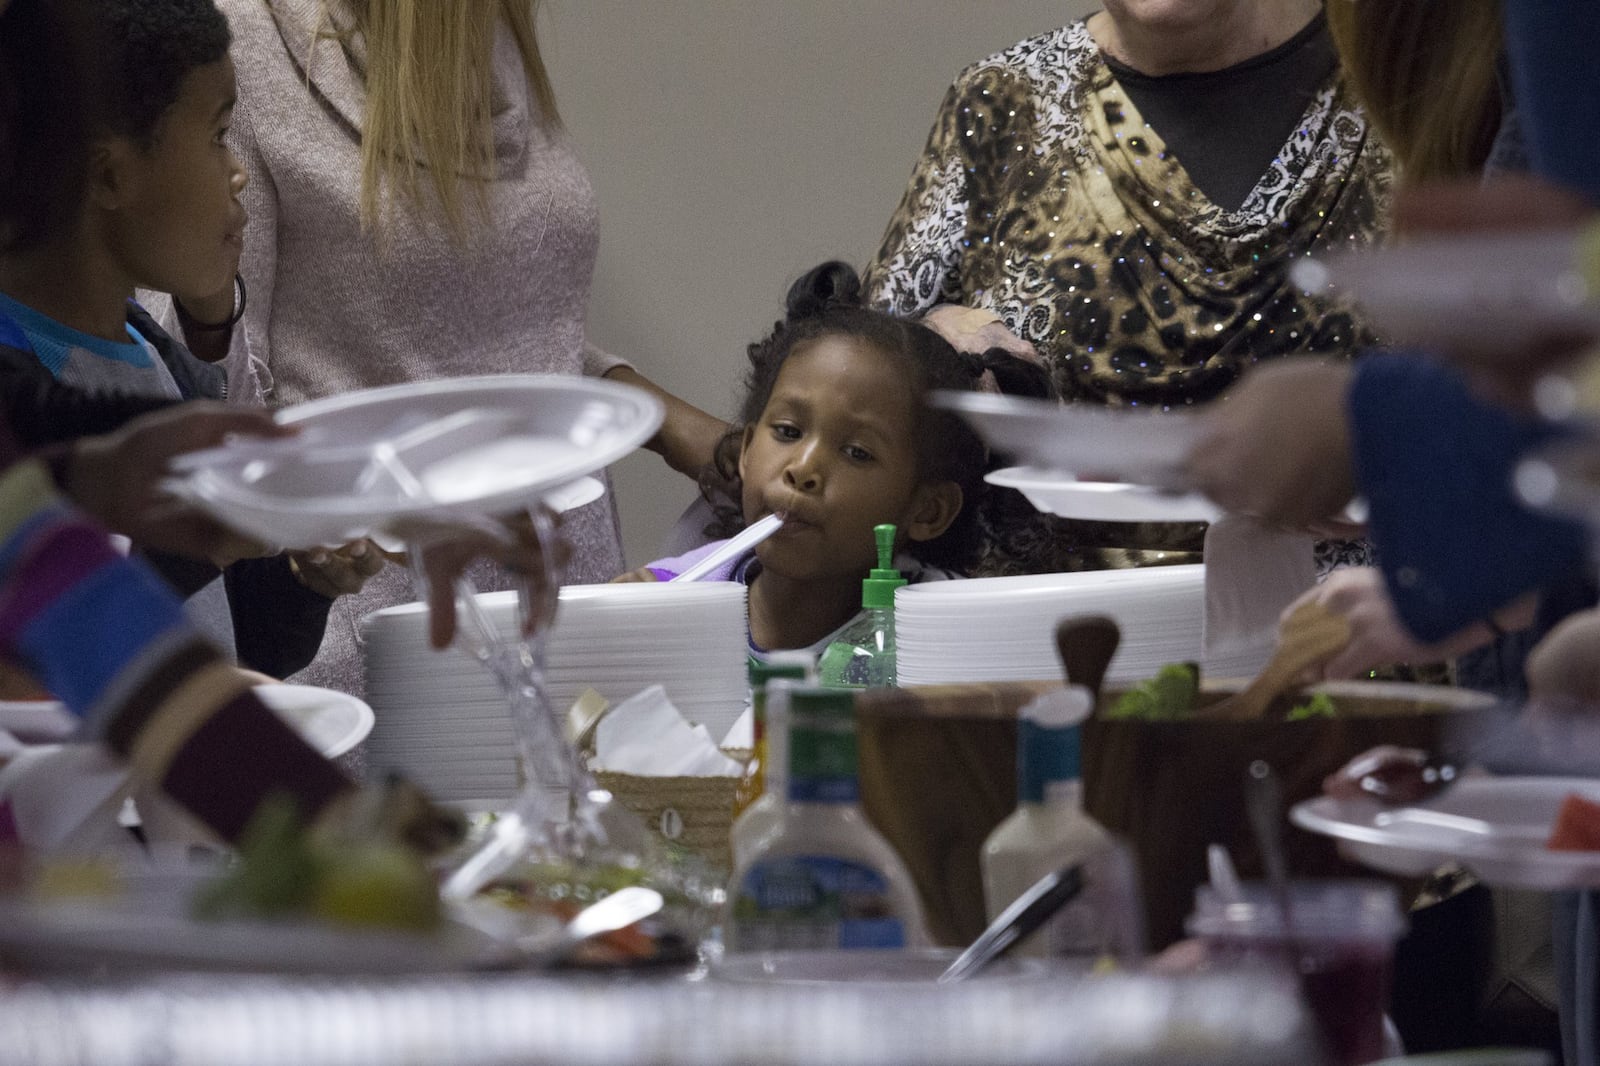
point(1339, 942)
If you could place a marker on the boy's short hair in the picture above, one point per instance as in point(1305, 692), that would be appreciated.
point(70, 69)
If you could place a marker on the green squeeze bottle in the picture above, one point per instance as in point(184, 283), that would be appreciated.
point(863, 656)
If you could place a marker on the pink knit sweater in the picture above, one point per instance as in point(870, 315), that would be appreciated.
point(331, 310)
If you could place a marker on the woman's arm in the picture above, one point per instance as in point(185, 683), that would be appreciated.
point(688, 436)
point(984, 116)
point(1436, 465)
point(918, 264)
point(1550, 44)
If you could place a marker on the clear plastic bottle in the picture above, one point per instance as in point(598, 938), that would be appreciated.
point(864, 654)
point(1049, 830)
point(822, 877)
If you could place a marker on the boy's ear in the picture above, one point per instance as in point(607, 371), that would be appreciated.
point(934, 507)
point(111, 174)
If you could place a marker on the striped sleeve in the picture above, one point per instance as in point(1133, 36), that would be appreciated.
point(111, 641)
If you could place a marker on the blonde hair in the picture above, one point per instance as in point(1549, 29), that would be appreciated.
point(1425, 71)
point(429, 80)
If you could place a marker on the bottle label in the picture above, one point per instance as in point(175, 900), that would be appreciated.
point(822, 764)
point(815, 902)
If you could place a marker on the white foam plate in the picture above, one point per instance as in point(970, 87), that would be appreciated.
point(1482, 292)
point(366, 460)
point(1495, 826)
point(1135, 446)
point(1102, 501)
point(332, 722)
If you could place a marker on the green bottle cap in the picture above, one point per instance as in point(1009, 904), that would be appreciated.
point(877, 590)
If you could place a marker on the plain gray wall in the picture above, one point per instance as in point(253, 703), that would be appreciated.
point(733, 144)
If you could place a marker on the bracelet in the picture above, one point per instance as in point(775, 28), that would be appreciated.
point(216, 327)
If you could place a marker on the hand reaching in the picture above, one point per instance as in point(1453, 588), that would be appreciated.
point(971, 329)
point(339, 571)
point(117, 479)
point(1377, 636)
point(1277, 448)
point(643, 574)
point(448, 548)
point(1565, 664)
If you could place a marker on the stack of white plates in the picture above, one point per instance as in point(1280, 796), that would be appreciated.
point(1003, 628)
point(444, 723)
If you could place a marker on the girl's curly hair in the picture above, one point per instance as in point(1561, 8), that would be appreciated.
point(827, 302)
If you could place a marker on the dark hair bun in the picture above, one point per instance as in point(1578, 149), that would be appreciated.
point(1013, 375)
point(832, 285)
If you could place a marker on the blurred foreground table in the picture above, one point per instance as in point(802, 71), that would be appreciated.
point(500, 1020)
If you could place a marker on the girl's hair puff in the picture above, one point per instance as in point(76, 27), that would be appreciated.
point(827, 302)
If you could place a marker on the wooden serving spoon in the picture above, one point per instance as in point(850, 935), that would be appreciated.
point(1311, 635)
point(1086, 643)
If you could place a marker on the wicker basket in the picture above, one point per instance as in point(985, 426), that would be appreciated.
point(694, 813)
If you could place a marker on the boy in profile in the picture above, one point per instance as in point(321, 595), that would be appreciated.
point(115, 175)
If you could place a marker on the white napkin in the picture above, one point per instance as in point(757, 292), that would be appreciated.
point(1252, 573)
point(742, 734)
point(646, 735)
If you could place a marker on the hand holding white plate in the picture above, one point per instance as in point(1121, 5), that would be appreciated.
point(365, 460)
point(1142, 447)
point(1495, 826)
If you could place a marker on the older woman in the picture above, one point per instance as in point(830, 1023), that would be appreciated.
point(1126, 194)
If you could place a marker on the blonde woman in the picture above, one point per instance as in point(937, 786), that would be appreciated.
point(416, 212)
point(1427, 73)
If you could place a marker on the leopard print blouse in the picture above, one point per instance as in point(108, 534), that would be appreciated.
point(1044, 197)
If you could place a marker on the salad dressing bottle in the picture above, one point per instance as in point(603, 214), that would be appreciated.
point(864, 654)
point(822, 877)
point(1049, 830)
point(759, 799)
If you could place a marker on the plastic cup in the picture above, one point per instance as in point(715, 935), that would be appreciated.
point(1339, 942)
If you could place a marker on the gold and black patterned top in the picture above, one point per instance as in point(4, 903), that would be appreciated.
point(1045, 197)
